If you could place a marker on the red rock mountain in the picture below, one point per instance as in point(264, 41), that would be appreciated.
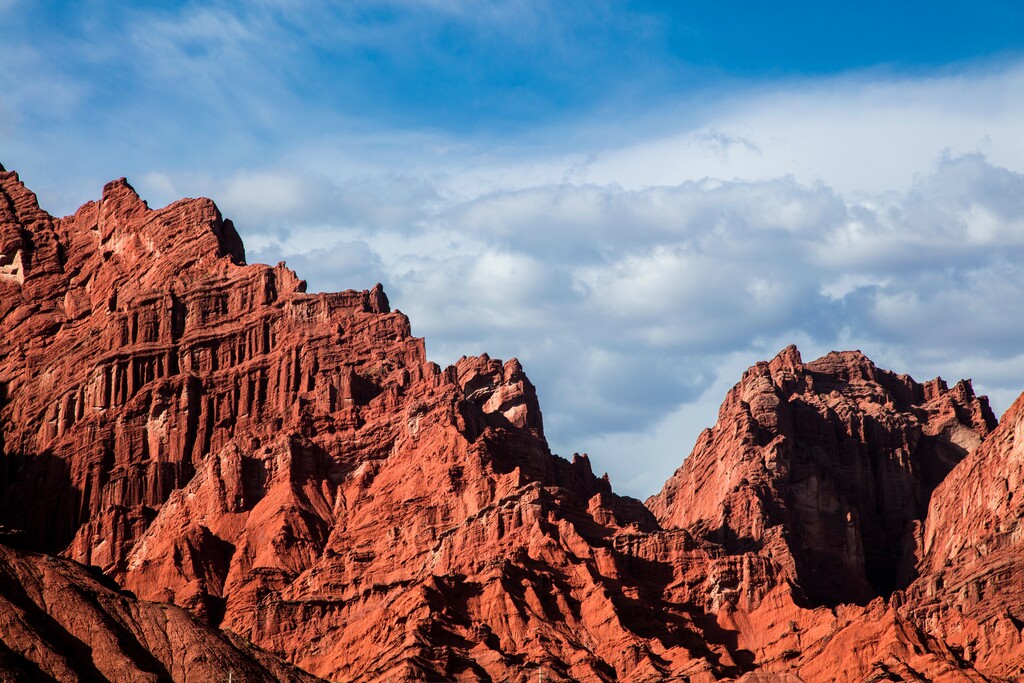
point(829, 467)
point(291, 470)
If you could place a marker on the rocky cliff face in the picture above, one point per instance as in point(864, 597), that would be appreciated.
point(290, 468)
point(972, 554)
point(828, 467)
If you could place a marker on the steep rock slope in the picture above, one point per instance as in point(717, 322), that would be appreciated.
point(59, 620)
point(827, 467)
point(291, 467)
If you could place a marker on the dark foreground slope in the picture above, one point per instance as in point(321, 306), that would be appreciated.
point(290, 468)
point(60, 620)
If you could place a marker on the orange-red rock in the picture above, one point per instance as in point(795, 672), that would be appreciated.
point(825, 467)
point(289, 467)
point(971, 589)
point(62, 621)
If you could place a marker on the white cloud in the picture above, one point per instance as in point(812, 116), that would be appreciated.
point(854, 133)
point(636, 267)
point(633, 308)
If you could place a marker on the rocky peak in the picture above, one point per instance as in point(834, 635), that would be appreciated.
point(501, 389)
point(832, 461)
point(186, 229)
point(19, 215)
point(846, 366)
point(378, 300)
point(786, 360)
point(18, 204)
point(122, 198)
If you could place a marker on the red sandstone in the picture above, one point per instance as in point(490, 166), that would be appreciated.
point(290, 469)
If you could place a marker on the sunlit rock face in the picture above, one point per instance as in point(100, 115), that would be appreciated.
point(828, 467)
point(971, 554)
point(290, 468)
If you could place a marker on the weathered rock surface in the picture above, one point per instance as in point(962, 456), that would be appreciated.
point(971, 589)
point(62, 621)
point(290, 468)
point(827, 468)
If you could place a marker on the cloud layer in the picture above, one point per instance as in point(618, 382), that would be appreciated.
point(628, 305)
point(847, 213)
point(637, 237)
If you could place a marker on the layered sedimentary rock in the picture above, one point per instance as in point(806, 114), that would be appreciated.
point(827, 468)
point(290, 468)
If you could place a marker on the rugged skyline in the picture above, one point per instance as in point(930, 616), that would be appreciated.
point(637, 202)
point(289, 468)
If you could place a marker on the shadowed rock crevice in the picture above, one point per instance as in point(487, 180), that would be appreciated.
point(48, 515)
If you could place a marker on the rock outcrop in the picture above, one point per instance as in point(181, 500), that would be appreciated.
point(972, 555)
point(291, 469)
point(62, 621)
point(827, 468)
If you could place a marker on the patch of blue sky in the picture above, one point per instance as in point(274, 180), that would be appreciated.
point(761, 39)
point(489, 67)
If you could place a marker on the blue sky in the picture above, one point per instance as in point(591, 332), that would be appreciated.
point(638, 199)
